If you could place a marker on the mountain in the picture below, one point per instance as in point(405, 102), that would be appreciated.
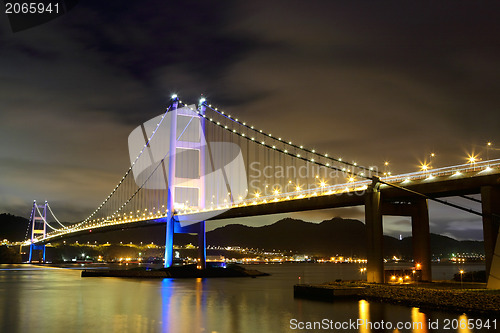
point(328, 238)
point(331, 237)
point(13, 227)
point(337, 236)
point(444, 246)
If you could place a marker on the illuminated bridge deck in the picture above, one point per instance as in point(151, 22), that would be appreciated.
point(444, 182)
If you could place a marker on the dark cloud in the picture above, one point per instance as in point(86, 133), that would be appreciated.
point(368, 81)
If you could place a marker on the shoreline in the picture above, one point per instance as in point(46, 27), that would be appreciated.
point(445, 296)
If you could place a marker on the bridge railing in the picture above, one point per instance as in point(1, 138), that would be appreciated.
point(353, 186)
point(324, 190)
point(446, 171)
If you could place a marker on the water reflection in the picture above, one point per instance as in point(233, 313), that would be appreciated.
point(364, 315)
point(463, 322)
point(166, 296)
point(378, 317)
point(185, 304)
point(419, 321)
point(59, 301)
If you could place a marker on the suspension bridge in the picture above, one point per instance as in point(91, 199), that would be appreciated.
point(194, 164)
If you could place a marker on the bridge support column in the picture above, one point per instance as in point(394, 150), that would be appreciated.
point(421, 238)
point(170, 183)
point(196, 228)
point(374, 231)
point(169, 241)
point(41, 255)
point(490, 197)
point(202, 246)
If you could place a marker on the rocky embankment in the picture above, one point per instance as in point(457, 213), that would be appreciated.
point(441, 296)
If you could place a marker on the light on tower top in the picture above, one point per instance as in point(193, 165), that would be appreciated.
point(202, 100)
point(174, 96)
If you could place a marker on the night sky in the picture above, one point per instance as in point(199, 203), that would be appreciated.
point(370, 81)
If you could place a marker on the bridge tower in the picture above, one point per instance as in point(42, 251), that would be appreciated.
point(38, 227)
point(187, 146)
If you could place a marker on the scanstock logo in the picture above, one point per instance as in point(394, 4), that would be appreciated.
point(206, 176)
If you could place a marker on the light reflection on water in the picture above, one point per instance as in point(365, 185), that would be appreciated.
point(59, 300)
point(462, 328)
point(419, 320)
point(364, 314)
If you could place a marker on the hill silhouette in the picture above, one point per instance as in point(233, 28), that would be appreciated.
point(13, 227)
point(336, 236)
point(328, 238)
point(331, 237)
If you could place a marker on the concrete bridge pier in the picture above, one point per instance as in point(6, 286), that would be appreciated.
point(174, 227)
point(374, 211)
point(421, 238)
point(375, 235)
point(418, 210)
point(202, 246)
point(169, 241)
point(490, 198)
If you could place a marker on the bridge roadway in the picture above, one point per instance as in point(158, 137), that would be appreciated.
point(440, 186)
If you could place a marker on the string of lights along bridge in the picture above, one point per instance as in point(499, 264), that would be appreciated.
point(239, 165)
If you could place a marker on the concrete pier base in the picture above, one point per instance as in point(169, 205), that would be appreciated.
point(421, 238)
point(418, 210)
point(374, 231)
point(169, 241)
point(202, 247)
point(490, 198)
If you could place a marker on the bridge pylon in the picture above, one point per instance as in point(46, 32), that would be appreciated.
point(38, 228)
point(192, 185)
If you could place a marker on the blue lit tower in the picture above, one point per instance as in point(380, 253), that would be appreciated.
point(186, 170)
point(169, 239)
point(38, 227)
point(202, 254)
